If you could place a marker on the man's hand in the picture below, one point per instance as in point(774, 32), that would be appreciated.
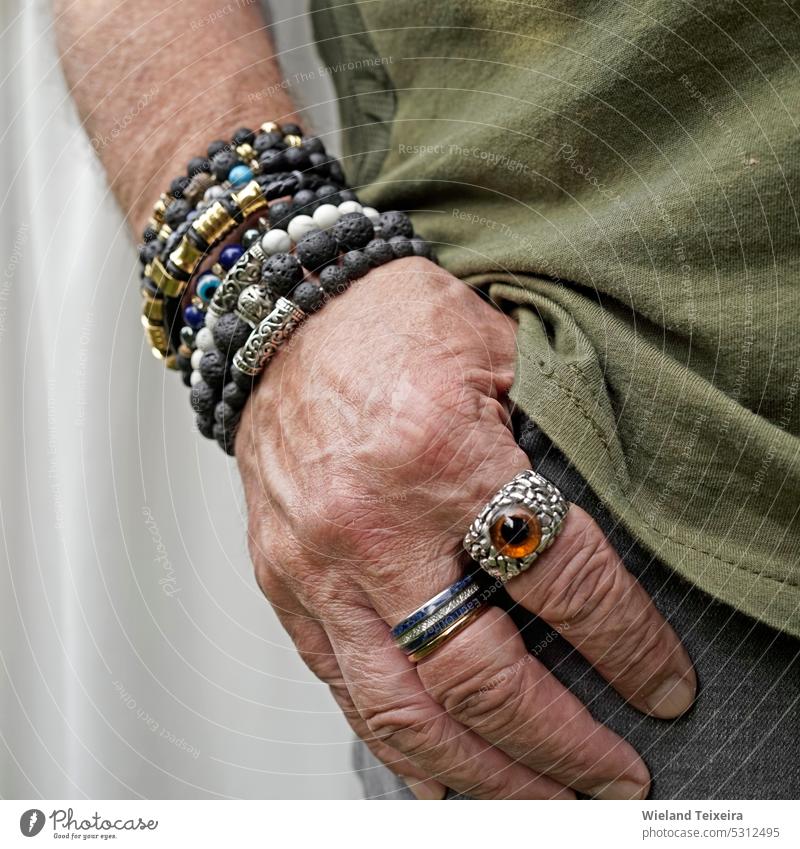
point(370, 443)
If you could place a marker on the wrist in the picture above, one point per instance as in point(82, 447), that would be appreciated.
point(153, 83)
point(221, 326)
point(141, 182)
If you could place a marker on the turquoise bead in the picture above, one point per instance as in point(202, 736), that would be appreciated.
point(240, 175)
point(207, 285)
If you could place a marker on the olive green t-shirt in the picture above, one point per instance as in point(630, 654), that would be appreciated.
point(623, 178)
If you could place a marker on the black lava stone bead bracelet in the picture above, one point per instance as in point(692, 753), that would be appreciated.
point(234, 351)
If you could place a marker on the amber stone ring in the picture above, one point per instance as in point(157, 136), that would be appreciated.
point(516, 526)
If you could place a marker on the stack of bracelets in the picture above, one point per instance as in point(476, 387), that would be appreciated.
point(219, 311)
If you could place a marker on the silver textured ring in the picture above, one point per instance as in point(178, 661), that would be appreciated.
point(516, 526)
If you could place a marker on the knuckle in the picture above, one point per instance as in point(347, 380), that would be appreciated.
point(347, 525)
point(267, 554)
point(360, 528)
point(266, 579)
point(317, 654)
point(407, 727)
point(427, 418)
point(492, 785)
point(491, 705)
point(484, 698)
point(341, 695)
point(589, 585)
point(329, 518)
point(324, 530)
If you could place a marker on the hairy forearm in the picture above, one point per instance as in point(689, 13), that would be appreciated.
point(155, 80)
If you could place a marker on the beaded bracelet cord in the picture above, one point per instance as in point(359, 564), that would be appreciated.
point(248, 320)
point(311, 239)
point(235, 181)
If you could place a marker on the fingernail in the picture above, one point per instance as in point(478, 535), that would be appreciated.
point(622, 790)
point(671, 698)
point(426, 790)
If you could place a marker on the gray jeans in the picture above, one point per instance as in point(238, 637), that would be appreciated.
point(739, 741)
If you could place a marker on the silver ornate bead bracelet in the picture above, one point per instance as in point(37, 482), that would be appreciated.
point(273, 287)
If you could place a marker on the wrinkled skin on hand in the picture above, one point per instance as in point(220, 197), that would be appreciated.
point(370, 443)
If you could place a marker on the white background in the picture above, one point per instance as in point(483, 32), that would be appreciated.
point(98, 466)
